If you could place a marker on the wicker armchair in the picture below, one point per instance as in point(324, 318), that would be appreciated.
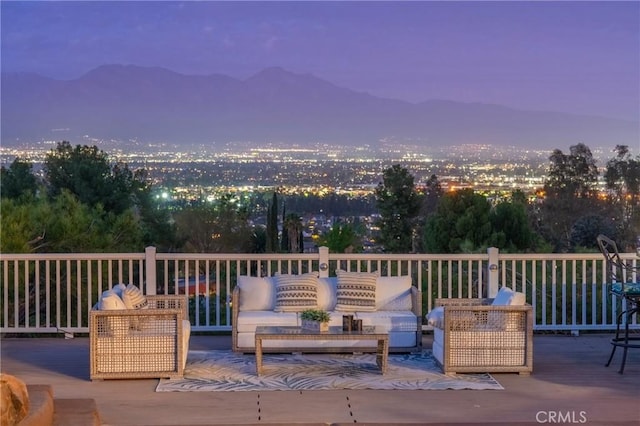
point(140, 343)
point(475, 336)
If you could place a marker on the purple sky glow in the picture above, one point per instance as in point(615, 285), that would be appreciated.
point(571, 56)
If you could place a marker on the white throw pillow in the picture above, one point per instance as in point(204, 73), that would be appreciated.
point(327, 294)
point(518, 299)
point(503, 298)
point(393, 293)
point(119, 289)
point(356, 291)
point(295, 293)
point(257, 293)
point(133, 298)
point(110, 301)
point(508, 297)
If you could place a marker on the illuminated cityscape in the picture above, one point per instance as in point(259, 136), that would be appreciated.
point(203, 172)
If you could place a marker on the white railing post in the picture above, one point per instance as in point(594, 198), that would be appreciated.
point(150, 269)
point(494, 272)
point(323, 261)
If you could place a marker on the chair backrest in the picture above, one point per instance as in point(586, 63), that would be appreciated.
point(615, 264)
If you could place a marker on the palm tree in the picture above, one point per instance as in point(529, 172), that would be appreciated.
point(293, 227)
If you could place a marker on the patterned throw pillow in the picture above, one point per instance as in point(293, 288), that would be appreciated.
point(295, 293)
point(356, 291)
point(133, 298)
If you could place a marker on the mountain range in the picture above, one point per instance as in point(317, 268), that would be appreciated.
point(158, 105)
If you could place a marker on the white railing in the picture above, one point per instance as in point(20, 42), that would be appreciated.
point(53, 293)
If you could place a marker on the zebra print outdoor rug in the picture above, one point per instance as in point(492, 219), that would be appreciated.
point(209, 371)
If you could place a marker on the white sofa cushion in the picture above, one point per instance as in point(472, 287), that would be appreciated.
point(390, 320)
point(256, 293)
point(356, 291)
point(248, 321)
point(295, 293)
point(327, 293)
point(393, 293)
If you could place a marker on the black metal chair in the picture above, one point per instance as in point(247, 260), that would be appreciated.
point(623, 280)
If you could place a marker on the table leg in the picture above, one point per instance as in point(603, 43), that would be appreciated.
point(382, 354)
point(258, 355)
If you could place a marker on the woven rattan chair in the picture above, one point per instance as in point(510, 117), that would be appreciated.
point(475, 337)
point(623, 281)
point(140, 343)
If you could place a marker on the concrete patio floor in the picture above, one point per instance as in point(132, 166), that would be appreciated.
point(570, 384)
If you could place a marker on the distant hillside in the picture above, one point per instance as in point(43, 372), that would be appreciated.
point(155, 104)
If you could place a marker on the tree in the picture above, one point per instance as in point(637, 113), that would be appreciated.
point(65, 225)
point(18, 181)
point(570, 192)
point(285, 246)
point(398, 204)
point(221, 227)
point(460, 224)
point(622, 177)
point(86, 172)
point(342, 238)
point(272, 225)
point(292, 227)
point(432, 193)
point(574, 174)
point(510, 226)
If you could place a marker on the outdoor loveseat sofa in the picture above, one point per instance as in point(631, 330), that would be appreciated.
point(390, 302)
point(483, 335)
point(146, 337)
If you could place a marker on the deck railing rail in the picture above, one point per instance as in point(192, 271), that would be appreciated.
point(53, 293)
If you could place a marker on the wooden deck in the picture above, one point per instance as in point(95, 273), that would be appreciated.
point(569, 384)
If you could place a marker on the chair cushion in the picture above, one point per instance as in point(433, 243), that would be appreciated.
point(393, 293)
point(295, 293)
point(256, 293)
point(356, 291)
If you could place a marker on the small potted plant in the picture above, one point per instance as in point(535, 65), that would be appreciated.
point(315, 319)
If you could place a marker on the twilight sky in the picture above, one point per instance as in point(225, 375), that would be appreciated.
point(581, 57)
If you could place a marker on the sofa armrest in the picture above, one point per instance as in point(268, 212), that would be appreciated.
point(462, 302)
point(488, 318)
point(128, 322)
point(416, 302)
point(235, 311)
point(161, 301)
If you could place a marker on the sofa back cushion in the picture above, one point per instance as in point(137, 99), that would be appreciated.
point(356, 291)
point(393, 293)
point(295, 293)
point(327, 287)
point(257, 293)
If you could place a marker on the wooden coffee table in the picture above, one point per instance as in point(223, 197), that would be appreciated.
point(375, 334)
